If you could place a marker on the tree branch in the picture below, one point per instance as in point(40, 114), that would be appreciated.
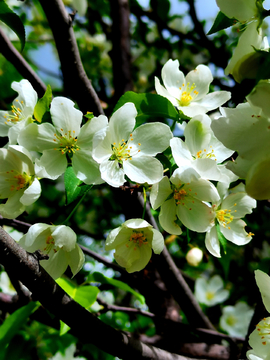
point(120, 53)
point(76, 82)
point(175, 282)
point(17, 60)
point(53, 298)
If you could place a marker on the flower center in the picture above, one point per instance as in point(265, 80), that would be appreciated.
point(67, 142)
point(202, 154)
point(137, 238)
point(231, 320)
point(121, 152)
point(263, 329)
point(182, 191)
point(188, 94)
point(225, 216)
point(18, 181)
point(209, 295)
point(50, 244)
point(16, 113)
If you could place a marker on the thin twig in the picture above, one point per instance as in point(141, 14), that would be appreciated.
point(17, 60)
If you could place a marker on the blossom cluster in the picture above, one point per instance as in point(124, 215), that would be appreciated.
point(116, 151)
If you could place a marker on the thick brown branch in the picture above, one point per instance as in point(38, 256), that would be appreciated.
point(17, 60)
point(120, 52)
point(76, 82)
point(53, 298)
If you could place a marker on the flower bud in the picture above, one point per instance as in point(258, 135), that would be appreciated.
point(194, 256)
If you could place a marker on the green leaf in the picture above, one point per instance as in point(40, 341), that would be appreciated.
point(221, 22)
point(83, 295)
point(263, 65)
point(64, 328)
point(73, 186)
point(149, 106)
point(222, 239)
point(98, 277)
point(13, 21)
point(13, 323)
point(43, 104)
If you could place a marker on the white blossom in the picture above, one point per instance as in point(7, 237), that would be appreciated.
point(125, 151)
point(189, 94)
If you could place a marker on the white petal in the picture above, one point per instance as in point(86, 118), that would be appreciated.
point(136, 224)
point(168, 218)
point(122, 123)
point(214, 100)
point(41, 137)
point(160, 192)
point(13, 207)
point(64, 237)
point(157, 242)
point(65, 117)
point(54, 162)
point(195, 215)
point(75, 259)
point(143, 169)
point(201, 77)
point(212, 242)
point(180, 151)
point(154, 138)
point(241, 10)
point(94, 128)
point(112, 173)
point(86, 168)
point(32, 193)
point(172, 78)
point(26, 94)
point(263, 283)
point(56, 265)
point(165, 93)
point(235, 232)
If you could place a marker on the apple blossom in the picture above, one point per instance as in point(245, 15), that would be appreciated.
point(125, 151)
point(66, 141)
point(233, 205)
point(22, 110)
point(183, 200)
point(59, 243)
point(242, 63)
point(133, 242)
point(259, 339)
point(210, 292)
point(202, 150)
point(18, 182)
point(246, 130)
point(189, 94)
point(242, 10)
point(235, 320)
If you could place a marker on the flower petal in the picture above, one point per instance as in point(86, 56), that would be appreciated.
point(160, 192)
point(65, 117)
point(122, 123)
point(86, 168)
point(172, 78)
point(64, 237)
point(168, 218)
point(153, 138)
point(112, 173)
point(212, 242)
point(54, 162)
point(75, 259)
point(235, 232)
point(157, 242)
point(143, 169)
point(201, 77)
point(31, 194)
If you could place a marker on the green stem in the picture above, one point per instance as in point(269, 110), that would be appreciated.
point(75, 208)
point(144, 203)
